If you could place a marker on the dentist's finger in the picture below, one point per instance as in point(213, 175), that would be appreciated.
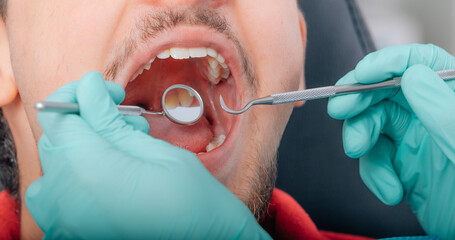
point(394, 61)
point(350, 105)
point(34, 202)
point(382, 65)
point(433, 102)
point(138, 122)
point(377, 172)
point(97, 107)
point(362, 132)
point(44, 145)
point(67, 94)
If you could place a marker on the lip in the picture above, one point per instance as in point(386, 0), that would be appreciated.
point(194, 36)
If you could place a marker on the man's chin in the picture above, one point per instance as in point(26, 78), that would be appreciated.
point(255, 188)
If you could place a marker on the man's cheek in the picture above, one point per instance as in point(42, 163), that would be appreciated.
point(274, 121)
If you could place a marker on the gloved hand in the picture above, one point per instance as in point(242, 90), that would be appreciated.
point(104, 177)
point(405, 139)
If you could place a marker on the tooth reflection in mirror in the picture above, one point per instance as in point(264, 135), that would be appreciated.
point(171, 100)
point(186, 98)
point(182, 104)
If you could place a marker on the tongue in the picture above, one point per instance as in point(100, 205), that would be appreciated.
point(193, 138)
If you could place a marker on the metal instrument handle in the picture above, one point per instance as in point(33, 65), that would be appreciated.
point(130, 110)
point(358, 87)
point(324, 92)
point(309, 94)
point(57, 107)
point(74, 108)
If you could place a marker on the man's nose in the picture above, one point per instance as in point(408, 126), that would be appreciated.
point(191, 3)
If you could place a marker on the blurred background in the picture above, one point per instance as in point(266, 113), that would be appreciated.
point(394, 22)
point(312, 165)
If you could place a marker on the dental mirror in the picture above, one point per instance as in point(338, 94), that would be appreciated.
point(180, 103)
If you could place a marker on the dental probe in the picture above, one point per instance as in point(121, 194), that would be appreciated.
point(325, 92)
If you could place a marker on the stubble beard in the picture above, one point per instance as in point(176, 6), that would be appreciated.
point(263, 183)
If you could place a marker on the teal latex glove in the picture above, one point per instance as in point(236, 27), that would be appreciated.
point(405, 139)
point(105, 178)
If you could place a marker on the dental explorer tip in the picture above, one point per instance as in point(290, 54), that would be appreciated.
point(223, 105)
point(225, 108)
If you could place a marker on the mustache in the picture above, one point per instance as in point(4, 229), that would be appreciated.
point(152, 25)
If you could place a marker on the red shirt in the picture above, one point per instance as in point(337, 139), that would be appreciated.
point(285, 219)
point(9, 217)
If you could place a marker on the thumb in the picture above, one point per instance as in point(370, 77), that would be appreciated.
point(35, 206)
point(97, 106)
point(433, 102)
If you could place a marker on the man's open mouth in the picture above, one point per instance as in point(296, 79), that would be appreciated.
point(210, 68)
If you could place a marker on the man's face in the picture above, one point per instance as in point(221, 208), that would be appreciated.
point(55, 42)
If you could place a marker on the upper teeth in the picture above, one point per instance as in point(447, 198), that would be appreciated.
point(164, 54)
point(198, 52)
point(215, 70)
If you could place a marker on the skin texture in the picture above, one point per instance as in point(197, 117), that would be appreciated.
point(46, 44)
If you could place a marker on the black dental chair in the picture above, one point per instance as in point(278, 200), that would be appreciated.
point(312, 166)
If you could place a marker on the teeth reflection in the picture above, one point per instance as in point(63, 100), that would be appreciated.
point(172, 100)
point(216, 142)
point(185, 98)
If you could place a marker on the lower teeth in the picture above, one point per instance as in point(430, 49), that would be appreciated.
point(216, 142)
